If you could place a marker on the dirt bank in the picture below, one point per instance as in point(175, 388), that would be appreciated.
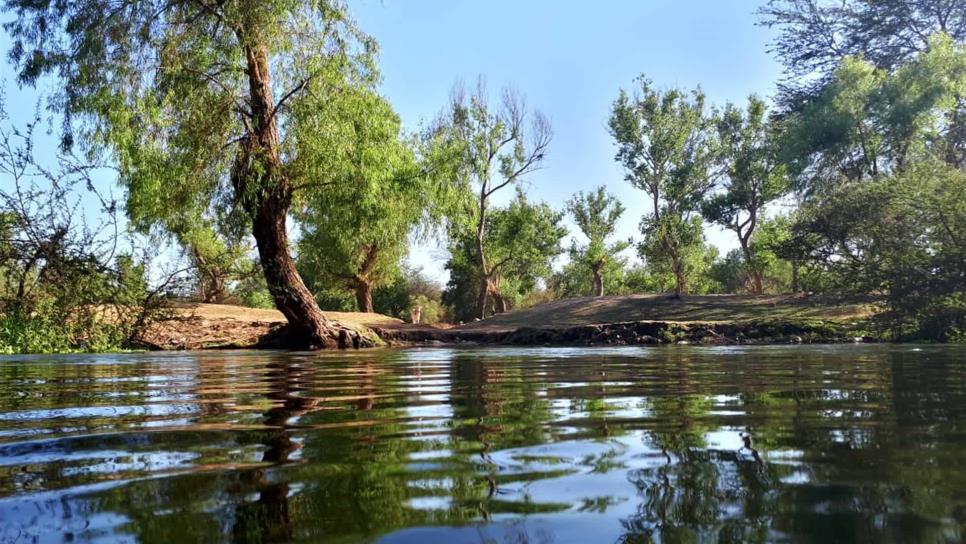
point(659, 319)
point(221, 326)
point(634, 320)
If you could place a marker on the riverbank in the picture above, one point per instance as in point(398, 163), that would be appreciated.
point(619, 320)
point(659, 319)
point(196, 326)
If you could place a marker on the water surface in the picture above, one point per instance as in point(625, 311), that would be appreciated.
point(847, 443)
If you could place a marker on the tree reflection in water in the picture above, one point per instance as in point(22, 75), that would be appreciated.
point(664, 445)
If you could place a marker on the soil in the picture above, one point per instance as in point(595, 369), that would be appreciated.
point(634, 319)
point(193, 326)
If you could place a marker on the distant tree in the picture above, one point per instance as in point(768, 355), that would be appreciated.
point(777, 273)
point(522, 240)
point(411, 287)
point(202, 98)
point(751, 178)
point(497, 147)
point(664, 145)
point(571, 279)
point(596, 214)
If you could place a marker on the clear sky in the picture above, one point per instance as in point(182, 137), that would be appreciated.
point(568, 59)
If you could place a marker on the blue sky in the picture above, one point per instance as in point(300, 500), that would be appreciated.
point(568, 59)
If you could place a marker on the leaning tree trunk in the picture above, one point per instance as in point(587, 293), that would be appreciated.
point(266, 194)
point(364, 296)
point(598, 281)
point(306, 322)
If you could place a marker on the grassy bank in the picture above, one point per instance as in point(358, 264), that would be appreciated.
point(658, 319)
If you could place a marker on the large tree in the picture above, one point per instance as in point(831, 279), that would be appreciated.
point(201, 97)
point(497, 146)
point(751, 178)
point(868, 122)
point(900, 238)
point(664, 144)
point(816, 35)
point(596, 214)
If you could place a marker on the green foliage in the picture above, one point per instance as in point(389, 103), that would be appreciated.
point(664, 144)
point(63, 286)
point(82, 309)
point(816, 35)
point(203, 106)
point(494, 148)
point(596, 214)
point(372, 194)
point(868, 122)
point(432, 311)
point(572, 279)
point(751, 179)
point(901, 237)
point(252, 291)
point(463, 286)
point(522, 240)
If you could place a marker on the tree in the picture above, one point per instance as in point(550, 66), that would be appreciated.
point(663, 143)
point(213, 239)
point(522, 240)
point(618, 277)
point(201, 98)
point(752, 177)
point(868, 123)
point(497, 148)
point(596, 214)
point(816, 35)
point(356, 229)
point(900, 237)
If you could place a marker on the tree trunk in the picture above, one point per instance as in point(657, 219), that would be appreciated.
point(757, 282)
point(364, 296)
point(501, 304)
point(263, 189)
point(598, 281)
point(795, 286)
point(307, 323)
point(680, 280)
point(481, 299)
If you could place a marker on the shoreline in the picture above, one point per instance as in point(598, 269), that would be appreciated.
point(603, 321)
point(642, 333)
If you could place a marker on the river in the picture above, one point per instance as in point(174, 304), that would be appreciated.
point(524, 445)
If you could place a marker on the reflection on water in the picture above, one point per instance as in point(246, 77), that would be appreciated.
point(844, 443)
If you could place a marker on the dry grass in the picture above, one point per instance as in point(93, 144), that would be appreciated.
point(242, 313)
point(708, 309)
point(204, 326)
